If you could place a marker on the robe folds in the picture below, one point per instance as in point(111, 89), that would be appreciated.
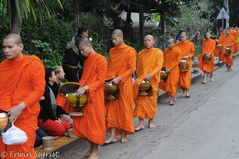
point(91, 125)
point(150, 61)
point(122, 63)
point(208, 47)
point(228, 41)
point(22, 80)
point(172, 59)
point(187, 48)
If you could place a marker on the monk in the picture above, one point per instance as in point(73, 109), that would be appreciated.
point(172, 57)
point(208, 49)
point(228, 41)
point(187, 48)
point(236, 36)
point(122, 65)
point(22, 85)
point(149, 64)
point(219, 45)
point(91, 125)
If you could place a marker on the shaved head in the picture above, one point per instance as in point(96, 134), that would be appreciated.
point(85, 47)
point(15, 37)
point(149, 41)
point(171, 42)
point(183, 36)
point(117, 37)
point(12, 46)
point(83, 41)
point(118, 32)
point(149, 36)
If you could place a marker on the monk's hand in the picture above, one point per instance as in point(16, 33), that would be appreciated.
point(186, 57)
point(15, 111)
point(42, 98)
point(82, 90)
point(149, 76)
point(116, 80)
point(168, 70)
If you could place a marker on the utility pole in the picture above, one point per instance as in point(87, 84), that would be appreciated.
point(226, 4)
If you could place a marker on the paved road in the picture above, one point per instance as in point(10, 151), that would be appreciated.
point(202, 127)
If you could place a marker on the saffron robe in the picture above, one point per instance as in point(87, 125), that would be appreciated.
point(91, 125)
point(150, 61)
point(122, 63)
point(22, 80)
point(187, 48)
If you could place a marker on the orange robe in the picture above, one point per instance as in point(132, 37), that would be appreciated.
point(208, 47)
point(187, 49)
point(22, 79)
point(236, 44)
point(149, 61)
point(122, 63)
point(228, 41)
point(91, 125)
point(172, 59)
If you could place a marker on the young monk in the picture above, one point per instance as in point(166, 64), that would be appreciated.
point(149, 64)
point(122, 64)
point(22, 84)
point(208, 49)
point(172, 57)
point(91, 125)
point(187, 48)
point(228, 41)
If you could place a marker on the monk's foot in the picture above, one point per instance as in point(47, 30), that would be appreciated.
point(138, 128)
point(204, 82)
point(124, 140)
point(93, 156)
point(110, 141)
point(143, 93)
point(151, 125)
point(171, 103)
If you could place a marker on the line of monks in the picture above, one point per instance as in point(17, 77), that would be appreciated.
point(100, 115)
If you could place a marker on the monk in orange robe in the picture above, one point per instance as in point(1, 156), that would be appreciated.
point(236, 44)
point(208, 49)
point(228, 42)
point(187, 48)
point(219, 44)
point(91, 125)
point(149, 64)
point(122, 65)
point(172, 57)
point(22, 84)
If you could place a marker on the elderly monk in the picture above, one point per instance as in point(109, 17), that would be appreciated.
point(172, 57)
point(91, 125)
point(22, 84)
point(228, 42)
point(208, 50)
point(149, 64)
point(122, 65)
point(187, 48)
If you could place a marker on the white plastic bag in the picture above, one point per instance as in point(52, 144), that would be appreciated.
point(14, 136)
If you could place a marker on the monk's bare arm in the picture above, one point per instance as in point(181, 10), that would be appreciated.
point(101, 71)
point(38, 83)
point(131, 65)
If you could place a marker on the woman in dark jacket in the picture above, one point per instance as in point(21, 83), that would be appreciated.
point(49, 120)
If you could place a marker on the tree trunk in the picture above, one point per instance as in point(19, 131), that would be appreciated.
point(16, 20)
point(128, 26)
point(141, 27)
